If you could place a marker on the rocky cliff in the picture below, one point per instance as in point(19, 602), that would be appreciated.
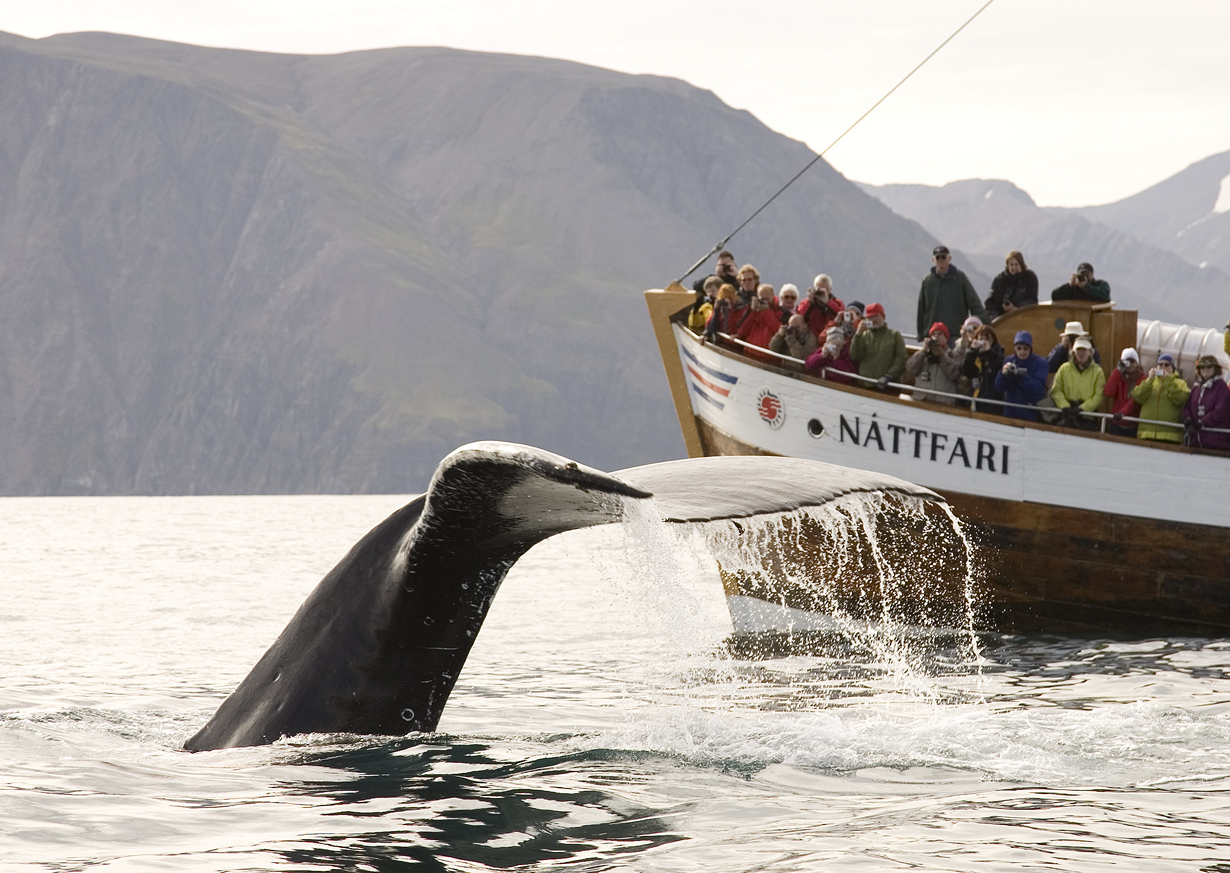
point(229, 271)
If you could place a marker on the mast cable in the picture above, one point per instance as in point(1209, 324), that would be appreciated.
point(720, 245)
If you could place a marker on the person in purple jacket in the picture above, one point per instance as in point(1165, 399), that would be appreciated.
point(1022, 379)
point(1208, 406)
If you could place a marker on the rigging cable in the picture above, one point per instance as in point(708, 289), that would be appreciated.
point(721, 245)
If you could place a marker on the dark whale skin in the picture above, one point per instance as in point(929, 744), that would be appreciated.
point(377, 646)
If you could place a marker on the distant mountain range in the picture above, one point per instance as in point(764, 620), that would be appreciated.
point(227, 271)
point(236, 272)
point(1165, 251)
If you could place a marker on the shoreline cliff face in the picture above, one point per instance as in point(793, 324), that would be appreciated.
point(234, 272)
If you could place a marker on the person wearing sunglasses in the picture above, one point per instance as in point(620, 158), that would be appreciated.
point(1161, 397)
point(946, 295)
point(1208, 407)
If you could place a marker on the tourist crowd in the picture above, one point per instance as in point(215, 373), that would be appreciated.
point(961, 354)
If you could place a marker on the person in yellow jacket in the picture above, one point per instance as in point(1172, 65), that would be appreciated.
point(1078, 386)
point(1161, 398)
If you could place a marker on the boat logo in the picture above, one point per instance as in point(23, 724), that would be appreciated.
point(769, 405)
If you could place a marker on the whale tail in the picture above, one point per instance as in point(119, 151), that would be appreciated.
point(377, 647)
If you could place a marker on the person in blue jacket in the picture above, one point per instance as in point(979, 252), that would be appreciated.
point(1023, 377)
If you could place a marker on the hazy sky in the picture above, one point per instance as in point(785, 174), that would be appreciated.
point(1077, 101)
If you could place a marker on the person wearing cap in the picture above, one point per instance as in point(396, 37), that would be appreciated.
point(1161, 396)
point(1083, 286)
point(1208, 406)
point(981, 364)
point(878, 350)
point(832, 360)
point(946, 295)
point(1078, 386)
point(969, 329)
point(1022, 378)
point(935, 367)
point(794, 339)
point(1060, 354)
point(1015, 287)
point(820, 308)
point(1127, 375)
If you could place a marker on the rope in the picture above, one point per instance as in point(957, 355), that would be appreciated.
point(721, 245)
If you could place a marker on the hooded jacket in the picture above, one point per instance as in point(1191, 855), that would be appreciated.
point(1161, 398)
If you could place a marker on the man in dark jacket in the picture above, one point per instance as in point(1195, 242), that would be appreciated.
point(946, 295)
point(1083, 286)
point(725, 270)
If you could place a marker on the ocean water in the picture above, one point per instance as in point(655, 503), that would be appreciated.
point(604, 721)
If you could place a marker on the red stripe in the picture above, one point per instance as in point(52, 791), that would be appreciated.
point(717, 389)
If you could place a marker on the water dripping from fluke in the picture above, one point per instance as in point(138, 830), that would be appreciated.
point(881, 581)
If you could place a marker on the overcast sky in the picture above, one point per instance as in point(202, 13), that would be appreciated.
point(1077, 101)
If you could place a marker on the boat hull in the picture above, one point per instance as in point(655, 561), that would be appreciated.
point(1078, 533)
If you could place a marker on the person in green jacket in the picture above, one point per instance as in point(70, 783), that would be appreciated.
point(1161, 398)
point(1083, 286)
point(946, 295)
point(878, 350)
point(1078, 386)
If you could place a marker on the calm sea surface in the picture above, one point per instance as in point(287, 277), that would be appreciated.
point(603, 722)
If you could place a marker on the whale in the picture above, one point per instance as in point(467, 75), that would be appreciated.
point(377, 646)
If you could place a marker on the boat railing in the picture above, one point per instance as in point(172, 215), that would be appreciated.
point(1102, 418)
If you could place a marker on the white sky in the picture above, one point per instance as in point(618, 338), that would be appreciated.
point(1077, 101)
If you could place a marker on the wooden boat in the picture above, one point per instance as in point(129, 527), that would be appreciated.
point(1080, 532)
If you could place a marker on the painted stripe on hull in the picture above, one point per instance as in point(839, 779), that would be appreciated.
point(959, 452)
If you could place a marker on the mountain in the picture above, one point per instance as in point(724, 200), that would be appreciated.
point(989, 218)
point(239, 272)
point(1188, 214)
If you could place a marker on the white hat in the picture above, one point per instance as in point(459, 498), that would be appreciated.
point(1082, 342)
point(1073, 328)
point(1129, 354)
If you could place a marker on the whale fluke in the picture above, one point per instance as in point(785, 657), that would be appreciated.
point(377, 647)
point(739, 486)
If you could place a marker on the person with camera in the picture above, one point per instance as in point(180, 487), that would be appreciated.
point(878, 350)
point(821, 307)
point(725, 272)
point(946, 295)
point(761, 322)
point(1078, 387)
point(980, 364)
point(1207, 407)
point(935, 367)
point(1162, 396)
point(1015, 287)
point(1127, 375)
point(1083, 286)
point(1022, 379)
point(832, 360)
point(788, 302)
point(794, 339)
point(723, 314)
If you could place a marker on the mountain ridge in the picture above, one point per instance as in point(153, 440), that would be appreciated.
point(233, 272)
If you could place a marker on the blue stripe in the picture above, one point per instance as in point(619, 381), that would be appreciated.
point(701, 392)
point(716, 374)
